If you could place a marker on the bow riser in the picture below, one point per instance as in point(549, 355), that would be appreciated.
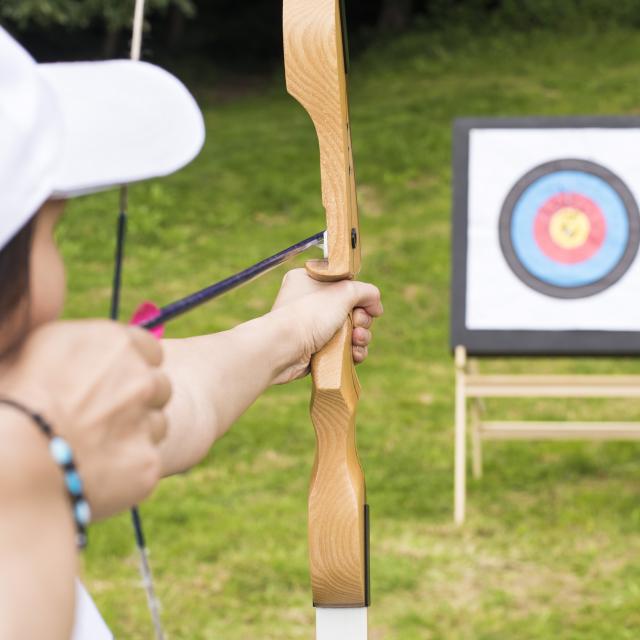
point(338, 530)
point(337, 496)
point(314, 68)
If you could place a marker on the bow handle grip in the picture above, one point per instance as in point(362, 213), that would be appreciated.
point(338, 516)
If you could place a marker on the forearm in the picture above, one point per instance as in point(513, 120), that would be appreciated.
point(37, 550)
point(215, 379)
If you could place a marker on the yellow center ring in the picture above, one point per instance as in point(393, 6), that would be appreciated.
point(569, 228)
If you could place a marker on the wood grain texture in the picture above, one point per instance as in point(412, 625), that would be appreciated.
point(337, 492)
point(315, 75)
point(314, 70)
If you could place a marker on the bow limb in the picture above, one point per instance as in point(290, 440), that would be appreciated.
point(315, 69)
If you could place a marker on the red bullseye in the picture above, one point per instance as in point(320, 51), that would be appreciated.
point(569, 228)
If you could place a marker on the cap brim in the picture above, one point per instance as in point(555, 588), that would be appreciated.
point(122, 122)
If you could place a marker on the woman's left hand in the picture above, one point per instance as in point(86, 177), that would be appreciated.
point(316, 310)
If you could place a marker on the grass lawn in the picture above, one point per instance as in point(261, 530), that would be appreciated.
point(552, 544)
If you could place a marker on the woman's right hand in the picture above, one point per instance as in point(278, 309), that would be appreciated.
point(100, 386)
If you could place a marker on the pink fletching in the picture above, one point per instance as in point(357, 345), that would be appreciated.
point(145, 312)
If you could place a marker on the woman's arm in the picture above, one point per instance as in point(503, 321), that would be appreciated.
point(216, 377)
point(37, 536)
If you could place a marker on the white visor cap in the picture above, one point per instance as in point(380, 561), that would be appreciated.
point(68, 129)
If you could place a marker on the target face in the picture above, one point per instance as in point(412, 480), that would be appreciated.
point(546, 236)
point(569, 228)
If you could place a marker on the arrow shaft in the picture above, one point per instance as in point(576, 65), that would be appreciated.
point(193, 300)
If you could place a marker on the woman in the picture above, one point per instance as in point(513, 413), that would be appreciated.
point(93, 413)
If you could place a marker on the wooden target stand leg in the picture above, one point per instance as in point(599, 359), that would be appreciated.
point(476, 411)
point(472, 386)
point(460, 448)
point(460, 456)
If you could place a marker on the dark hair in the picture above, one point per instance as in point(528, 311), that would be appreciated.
point(14, 270)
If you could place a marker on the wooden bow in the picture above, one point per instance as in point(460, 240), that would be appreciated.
point(315, 67)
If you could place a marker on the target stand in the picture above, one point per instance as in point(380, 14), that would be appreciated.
point(545, 262)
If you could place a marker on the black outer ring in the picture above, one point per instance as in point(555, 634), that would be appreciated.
point(607, 280)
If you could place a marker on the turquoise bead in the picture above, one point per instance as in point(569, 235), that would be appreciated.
point(73, 482)
point(82, 512)
point(60, 450)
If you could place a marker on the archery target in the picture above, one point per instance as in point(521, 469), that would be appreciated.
point(569, 228)
point(547, 227)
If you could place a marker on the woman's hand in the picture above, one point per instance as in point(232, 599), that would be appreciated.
point(100, 386)
point(316, 310)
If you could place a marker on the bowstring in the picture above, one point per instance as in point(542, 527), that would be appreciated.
point(121, 234)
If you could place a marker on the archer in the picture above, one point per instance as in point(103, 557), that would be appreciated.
point(94, 413)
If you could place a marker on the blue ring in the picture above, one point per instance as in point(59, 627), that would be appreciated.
point(581, 273)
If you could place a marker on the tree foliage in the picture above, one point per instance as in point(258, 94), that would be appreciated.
point(78, 14)
point(115, 14)
point(248, 35)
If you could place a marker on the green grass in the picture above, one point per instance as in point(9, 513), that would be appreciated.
point(552, 542)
